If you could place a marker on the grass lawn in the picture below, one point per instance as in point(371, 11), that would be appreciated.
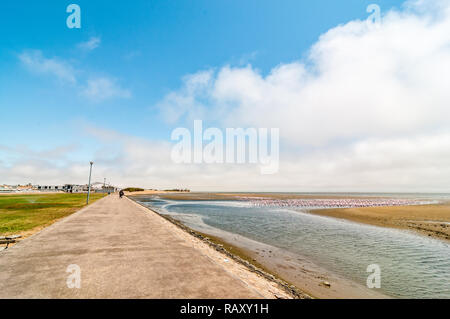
point(22, 213)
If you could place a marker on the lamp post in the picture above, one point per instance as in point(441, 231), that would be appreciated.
point(89, 185)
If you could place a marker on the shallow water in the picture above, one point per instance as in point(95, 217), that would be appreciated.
point(411, 265)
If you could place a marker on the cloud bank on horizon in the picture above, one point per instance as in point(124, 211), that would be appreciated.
point(366, 110)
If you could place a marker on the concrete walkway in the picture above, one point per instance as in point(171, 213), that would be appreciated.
point(123, 251)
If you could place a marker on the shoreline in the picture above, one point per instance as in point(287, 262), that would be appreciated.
point(294, 273)
point(295, 270)
point(421, 219)
point(221, 246)
point(431, 220)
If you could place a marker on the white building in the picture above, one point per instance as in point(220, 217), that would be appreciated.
point(49, 188)
point(71, 188)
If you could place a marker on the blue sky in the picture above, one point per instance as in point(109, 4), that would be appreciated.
point(58, 84)
point(148, 46)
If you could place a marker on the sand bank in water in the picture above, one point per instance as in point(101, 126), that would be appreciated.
point(430, 220)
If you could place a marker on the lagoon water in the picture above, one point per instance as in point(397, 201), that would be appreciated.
point(412, 266)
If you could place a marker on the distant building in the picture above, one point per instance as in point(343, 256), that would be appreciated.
point(68, 188)
point(49, 188)
point(6, 189)
point(103, 188)
point(107, 189)
point(24, 188)
point(96, 186)
point(72, 188)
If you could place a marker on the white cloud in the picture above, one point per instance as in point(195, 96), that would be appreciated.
point(367, 111)
point(36, 62)
point(418, 163)
point(189, 99)
point(413, 164)
point(357, 82)
point(91, 44)
point(96, 89)
point(99, 89)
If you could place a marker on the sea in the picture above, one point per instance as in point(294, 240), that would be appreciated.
point(411, 265)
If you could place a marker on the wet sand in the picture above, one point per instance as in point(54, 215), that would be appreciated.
point(429, 220)
point(294, 269)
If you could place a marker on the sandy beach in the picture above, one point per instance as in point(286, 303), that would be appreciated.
point(292, 268)
point(429, 220)
point(267, 271)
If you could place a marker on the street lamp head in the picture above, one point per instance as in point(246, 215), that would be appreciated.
point(89, 185)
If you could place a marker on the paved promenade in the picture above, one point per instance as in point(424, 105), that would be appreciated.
point(123, 251)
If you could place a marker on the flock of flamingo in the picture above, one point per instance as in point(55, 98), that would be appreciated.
point(334, 202)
